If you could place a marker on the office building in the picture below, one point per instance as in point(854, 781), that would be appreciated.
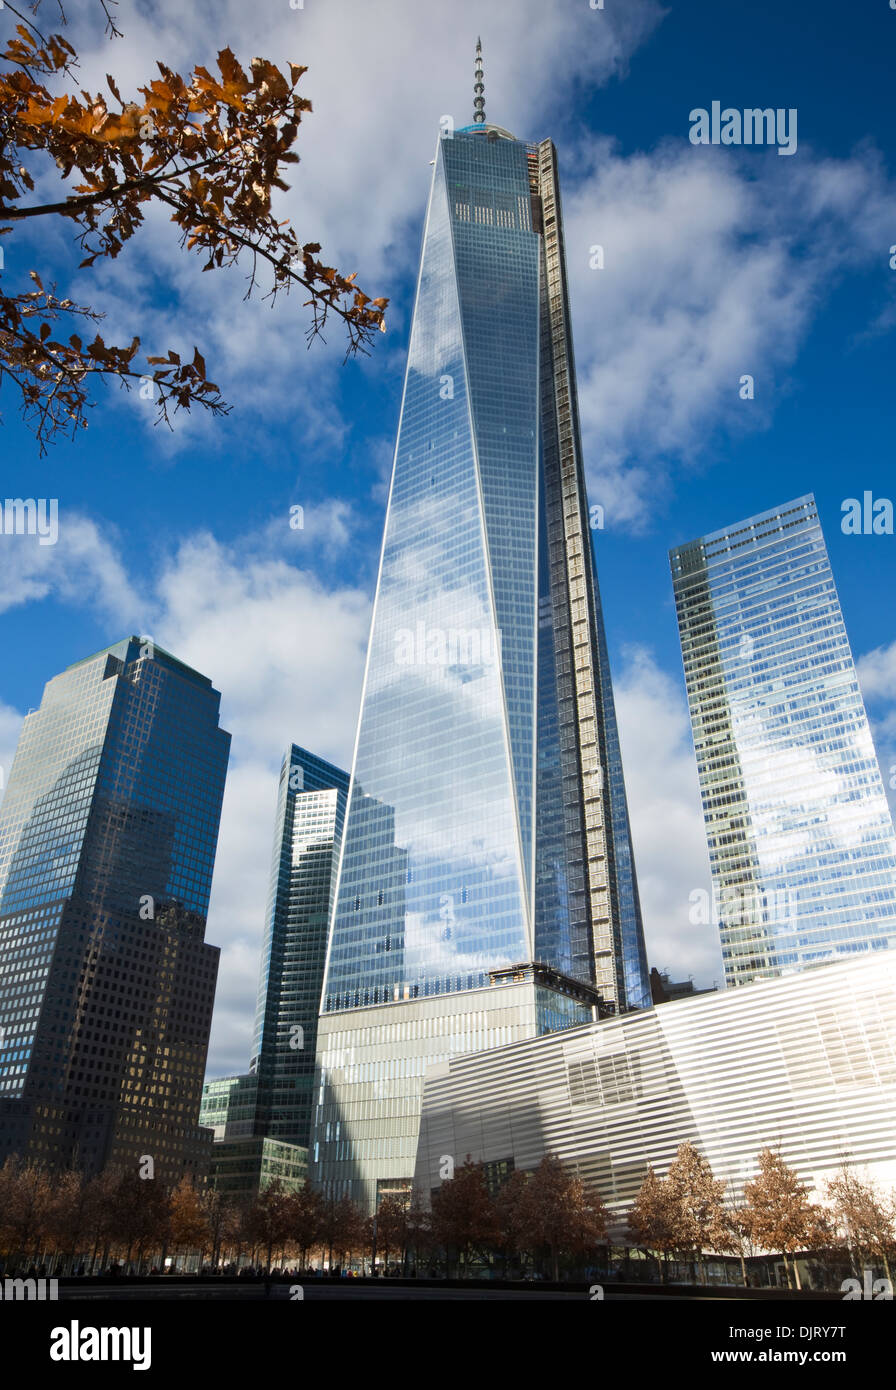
point(487, 887)
point(273, 1101)
point(108, 832)
point(307, 840)
point(801, 841)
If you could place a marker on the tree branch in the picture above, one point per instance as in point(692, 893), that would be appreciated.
point(70, 206)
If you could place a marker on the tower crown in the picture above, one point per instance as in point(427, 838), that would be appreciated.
point(479, 88)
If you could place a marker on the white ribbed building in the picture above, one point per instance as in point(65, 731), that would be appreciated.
point(805, 1064)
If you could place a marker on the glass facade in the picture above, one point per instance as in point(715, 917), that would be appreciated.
point(801, 840)
point(229, 1106)
point(242, 1168)
point(108, 832)
point(445, 747)
point(307, 839)
point(487, 827)
point(476, 803)
point(273, 1103)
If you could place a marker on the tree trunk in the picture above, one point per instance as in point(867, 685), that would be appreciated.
point(787, 1269)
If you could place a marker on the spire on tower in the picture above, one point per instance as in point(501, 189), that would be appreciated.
point(479, 88)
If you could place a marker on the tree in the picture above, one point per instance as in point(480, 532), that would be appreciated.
point(779, 1212)
point(653, 1219)
point(218, 1212)
point(268, 1220)
point(138, 1215)
point(555, 1213)
point(188, 1221)
point(698, 1205)
point(212, 149)
point(510, 1216)
point(391, 1227)
point(736, 1236)
point(69, 1216)
point(866, 1219)
point(418, 1227)
point(100, 1212)
point(304, 1221)
point(463, 1214)
point(347, 1229)
point(25, 1201)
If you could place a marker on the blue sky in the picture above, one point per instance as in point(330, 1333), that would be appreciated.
point(718, 261)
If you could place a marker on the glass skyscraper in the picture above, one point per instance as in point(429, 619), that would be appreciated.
point(307, 840)
point(487, 887)
point(108, 832)
point(801, 840)
point(273, 1102)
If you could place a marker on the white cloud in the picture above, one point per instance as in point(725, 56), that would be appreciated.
point(877, 673)
point(286, 652)
point(668, 830)
point(714, 265)
point(83, 560)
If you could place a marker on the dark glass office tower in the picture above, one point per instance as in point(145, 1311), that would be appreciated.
point(307, 840)
point(487, 733)
point(108, 833)
point(262, 1119)
point(801, 840)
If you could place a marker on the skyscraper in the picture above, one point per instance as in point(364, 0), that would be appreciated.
point(487, 887)
point(108, 833)
point(307, 839)
point(801, 840)
point(261, 1119)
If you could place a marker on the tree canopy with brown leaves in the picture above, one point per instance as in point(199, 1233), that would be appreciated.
point(698, 1201)
point(781, 1215)
point(866, 1218)
point(557, 1213)
point(212, 148)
